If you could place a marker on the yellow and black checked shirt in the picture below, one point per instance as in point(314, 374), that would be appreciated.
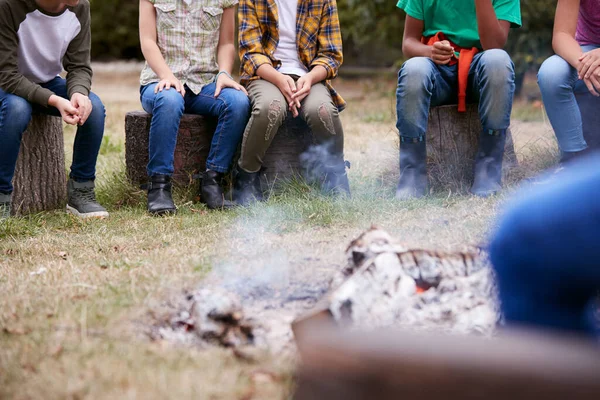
point(317, 31)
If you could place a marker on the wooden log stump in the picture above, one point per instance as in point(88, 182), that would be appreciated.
point(395, 364)
point(193, 144)
point(452, 142)
point(40, 181)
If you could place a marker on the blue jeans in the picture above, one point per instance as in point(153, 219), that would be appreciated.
point(15, 114)
point(423, 84)
point(558, 83)
point(232, 108)
point(546, 252)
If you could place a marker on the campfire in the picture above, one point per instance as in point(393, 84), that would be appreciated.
point(384, 284)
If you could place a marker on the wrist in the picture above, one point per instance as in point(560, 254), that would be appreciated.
point(223, 72)
point(53, 100)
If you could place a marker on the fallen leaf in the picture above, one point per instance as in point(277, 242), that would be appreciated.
point(62, 254)
point(19, 330)
point(56, 351)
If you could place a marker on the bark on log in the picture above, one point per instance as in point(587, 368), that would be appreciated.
point(452, 142)
point(390, 365)
point(193, 145)
point(40, 178)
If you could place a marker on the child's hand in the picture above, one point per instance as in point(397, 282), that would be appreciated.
point(303, 85)
point(589, 70)
point(442, 52)
point(224, 81)
point(168, 82)
point(68, 113)
point(287, 87)
point(83, 105)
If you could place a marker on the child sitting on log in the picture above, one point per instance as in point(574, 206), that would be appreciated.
point(455, 55)
point(290, 50)
point(38, 39)
point(574, 68)
point(189, 50)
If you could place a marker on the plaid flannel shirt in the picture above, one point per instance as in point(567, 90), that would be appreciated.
point(318, 35)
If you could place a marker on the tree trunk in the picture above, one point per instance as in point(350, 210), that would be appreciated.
point(40, 176)
point(452, 142)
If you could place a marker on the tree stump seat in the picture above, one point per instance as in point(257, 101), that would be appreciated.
point(193, 144)
point(452, 143)
point(40, 181)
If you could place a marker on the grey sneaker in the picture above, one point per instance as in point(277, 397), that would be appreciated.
point(82, 200)
point(4, 206)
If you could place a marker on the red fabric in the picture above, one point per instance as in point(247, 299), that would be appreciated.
point(464, 64)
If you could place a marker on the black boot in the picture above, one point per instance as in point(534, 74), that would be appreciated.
point(246, 187)
point(488, 163)
point(413, 169)
point(211, 192)
point(335, 181)
point(160, 200)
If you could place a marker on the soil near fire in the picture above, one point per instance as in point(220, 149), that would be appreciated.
point(78, 297)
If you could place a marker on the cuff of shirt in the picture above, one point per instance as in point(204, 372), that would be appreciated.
point(331, 72)
point(41, 96)
point(79, 89)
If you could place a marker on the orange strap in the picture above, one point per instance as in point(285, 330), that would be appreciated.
point(464, 61)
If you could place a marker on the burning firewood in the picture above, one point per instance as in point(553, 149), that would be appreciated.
point(385, 284)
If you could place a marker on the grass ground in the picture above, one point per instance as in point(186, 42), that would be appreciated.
point(74, 294)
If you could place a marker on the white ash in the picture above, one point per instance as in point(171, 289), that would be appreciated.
point(383, 284)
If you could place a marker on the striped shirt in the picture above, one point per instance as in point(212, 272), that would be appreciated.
point(318, 33)
point(187, 33)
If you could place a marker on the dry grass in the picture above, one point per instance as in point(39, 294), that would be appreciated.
point(74, 293)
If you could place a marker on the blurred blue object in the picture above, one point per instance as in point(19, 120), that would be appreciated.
point(546, 251)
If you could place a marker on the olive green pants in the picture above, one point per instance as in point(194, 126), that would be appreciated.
point(269, 110)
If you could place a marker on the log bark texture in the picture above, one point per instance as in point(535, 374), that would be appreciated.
point(40, 181)
point(193, 144)
point(452, 142)
point(393, 364)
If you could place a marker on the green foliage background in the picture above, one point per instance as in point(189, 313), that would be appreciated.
point(372, 31)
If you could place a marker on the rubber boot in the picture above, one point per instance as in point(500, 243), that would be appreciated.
point(335, 181)
point(488, 163)
point(160, 199)
point(413, 169)
point(211, 192)
point(246, 187)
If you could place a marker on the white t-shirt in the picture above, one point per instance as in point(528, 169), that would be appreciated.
point(287, 51)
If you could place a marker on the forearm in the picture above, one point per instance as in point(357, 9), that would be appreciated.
point(412, 47)
point(268, 73)
point(318, 74)
point(491, 32)
point(155, 59)
point(226, 54)
point(567, 47)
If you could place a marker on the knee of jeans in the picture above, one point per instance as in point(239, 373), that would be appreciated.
point(98, 108)
point(497, 66)
point(554, 74)
point(237, 103)
point(16, 110)
point(169, 100)
point(273, 109)
point(323, 113)
point(416, 75)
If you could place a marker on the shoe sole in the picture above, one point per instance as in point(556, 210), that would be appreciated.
point(97, 214)
point(164, 212)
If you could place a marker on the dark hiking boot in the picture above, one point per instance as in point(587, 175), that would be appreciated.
point(246, 187)
point(5, 206)
point(335, 181)
point(211, 192)
point(413, 169)
point(488, 163)
point(81, 200)
point(160, 198)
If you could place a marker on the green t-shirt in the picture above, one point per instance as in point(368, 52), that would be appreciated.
point(457, 18)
